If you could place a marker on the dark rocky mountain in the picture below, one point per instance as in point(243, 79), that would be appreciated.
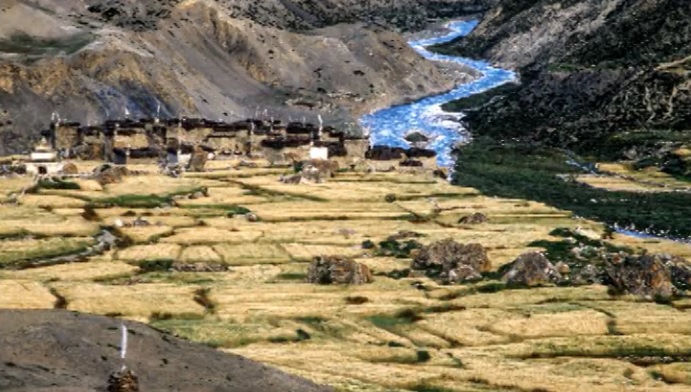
point(91, 60)
point(56, 350)
point(603, 77)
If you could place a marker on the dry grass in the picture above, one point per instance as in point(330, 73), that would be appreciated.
point(14, 185)
point(619, 184)
point(210, 235)
point(22, 219)
point(651, 174)
point(307, 252)
point(150, 252)
point(228, 195)
point(13, 251)
point(142, 234)
point(25, 294)
point(196, 254)
point(248, 254)
point(52, 201)
point(151, 184)
point(96, 269)
point(359, 338)
point(142, 301)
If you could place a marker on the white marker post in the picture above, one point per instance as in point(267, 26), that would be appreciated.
point(123, 346)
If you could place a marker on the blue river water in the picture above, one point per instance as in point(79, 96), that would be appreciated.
point(390, 126)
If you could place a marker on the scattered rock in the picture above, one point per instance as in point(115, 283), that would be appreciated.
point(316, 171)
point(442, 173)
point(69, 168)
point(647, 276)
point(123, 381)
point(416, 137)
point(472, 219)
point(563, 268)
point(294, 179)
point(197, 160)
point(337, 270)
point(531, 269)
point(109, 174)
point(252, 217)
point(452, 262)
point(589, 274)
point(403, 235)
point(107, 239)
point(680, 270)
point(200, 267)
point(140, 222)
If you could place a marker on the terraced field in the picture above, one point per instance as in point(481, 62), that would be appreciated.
point(407, 334)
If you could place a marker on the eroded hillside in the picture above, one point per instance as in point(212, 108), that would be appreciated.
point(227, 59)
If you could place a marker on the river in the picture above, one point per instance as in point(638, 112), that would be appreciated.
point(390, 126)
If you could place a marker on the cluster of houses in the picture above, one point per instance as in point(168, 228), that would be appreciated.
point(174, 140)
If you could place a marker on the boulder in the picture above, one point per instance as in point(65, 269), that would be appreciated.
point(589, 274)
point(69, 168)
point(416, 137)
point(337, 270)
point(531, 269)
point(680, 271)
point(123, 381)
point(442, 173)
point(197, 160)
point(294, 179)
point(647, 276)
point(109, 174)
point(452, 262)
point(563, 268)
point(472, 219)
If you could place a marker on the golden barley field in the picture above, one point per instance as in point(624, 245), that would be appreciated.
point(395, 334)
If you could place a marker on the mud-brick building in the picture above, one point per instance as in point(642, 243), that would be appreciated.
point(121, 141)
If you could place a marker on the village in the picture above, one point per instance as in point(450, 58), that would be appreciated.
point(187, 144)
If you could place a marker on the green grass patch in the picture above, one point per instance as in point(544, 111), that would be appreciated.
point(58, 184)
point(529, 172)
point(402, 317)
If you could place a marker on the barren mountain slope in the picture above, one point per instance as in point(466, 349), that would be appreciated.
point(89, 60)
point(591, 70)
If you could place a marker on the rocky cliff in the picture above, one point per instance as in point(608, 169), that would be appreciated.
point(95, 59)
point(604, 77)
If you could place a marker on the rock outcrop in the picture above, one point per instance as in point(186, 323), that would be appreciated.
point(451, 262)
point(109, 174)
point(337, 270)
point(197, 160)
point(646, 276)
point(473, 219)
point(531, 269)
point(123, 381)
